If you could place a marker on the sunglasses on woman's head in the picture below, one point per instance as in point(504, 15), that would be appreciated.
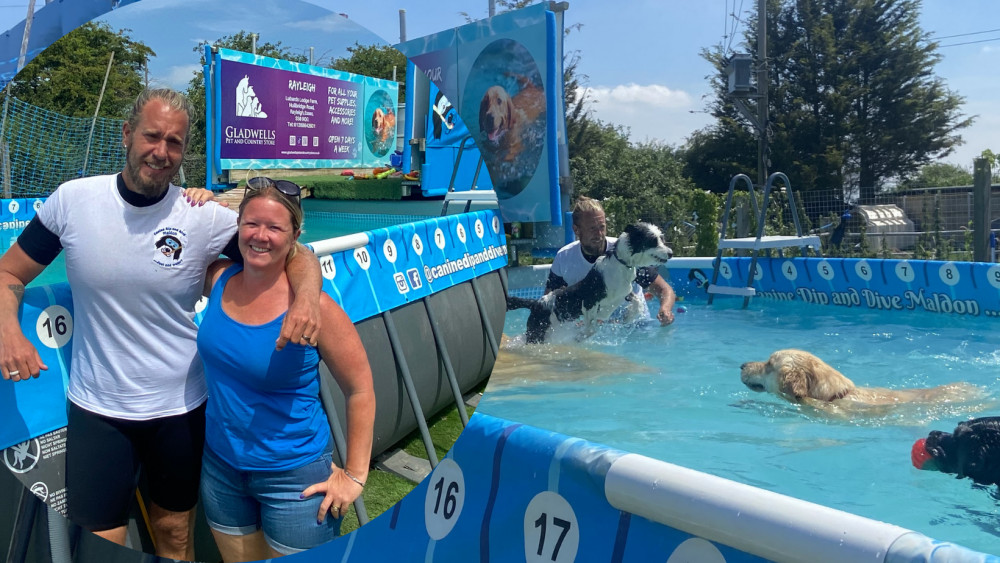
point(291, 190)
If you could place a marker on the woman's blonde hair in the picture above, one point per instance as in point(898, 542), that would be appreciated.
point(294, 208)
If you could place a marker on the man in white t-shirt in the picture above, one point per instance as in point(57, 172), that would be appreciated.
point(574, 261)
point(136, 255)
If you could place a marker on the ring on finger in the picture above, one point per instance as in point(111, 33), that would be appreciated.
point(14, 373)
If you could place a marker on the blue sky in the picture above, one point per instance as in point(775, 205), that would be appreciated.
point(641, 57)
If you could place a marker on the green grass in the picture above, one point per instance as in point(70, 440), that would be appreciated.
point(383, 489)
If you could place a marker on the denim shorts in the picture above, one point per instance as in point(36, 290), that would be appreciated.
point(241, 502)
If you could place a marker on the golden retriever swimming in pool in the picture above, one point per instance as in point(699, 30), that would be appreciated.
point(383, 123)
point(802, 377)
point(502, 117)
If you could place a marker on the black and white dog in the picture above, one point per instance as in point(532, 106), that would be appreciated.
point(604, 288)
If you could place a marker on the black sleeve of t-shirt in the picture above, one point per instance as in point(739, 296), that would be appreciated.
point(554, 282)
point(646, 275)
point(232, 249)
point(39, 243)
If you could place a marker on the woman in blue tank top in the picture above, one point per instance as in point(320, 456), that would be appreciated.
point(269, 485)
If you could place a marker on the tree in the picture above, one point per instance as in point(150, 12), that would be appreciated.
point(377, 61)
point(67, 76)
point(853, 99)
point(939, 175)
point(194, 158)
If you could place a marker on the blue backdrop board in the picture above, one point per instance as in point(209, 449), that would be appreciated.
point(496, 72)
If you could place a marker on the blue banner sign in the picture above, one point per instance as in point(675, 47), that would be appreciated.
point(404, 263)
point(273, 113)
point(932, 286)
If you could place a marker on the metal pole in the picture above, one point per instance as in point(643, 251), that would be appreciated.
point(981, 181)
point(93, 122)
point(3, 143)
point(311, 50)
point(446, 360)
point(487, 327)
point(27, 34)
point(411, 389)
point(402, 26)
point(493, 8)
point(253, 43)
point(762, 87)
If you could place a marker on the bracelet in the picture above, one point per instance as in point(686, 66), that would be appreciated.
point(353, 478)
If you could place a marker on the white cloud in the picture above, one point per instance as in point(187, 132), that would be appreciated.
point(177, 77)
point(655, 95)
point(651, 113)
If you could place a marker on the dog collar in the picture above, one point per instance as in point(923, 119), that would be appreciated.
point(615, 254)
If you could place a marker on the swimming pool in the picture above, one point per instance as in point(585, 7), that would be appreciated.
point(674, 394)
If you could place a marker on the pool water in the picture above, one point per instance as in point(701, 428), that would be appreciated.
point(674, 394)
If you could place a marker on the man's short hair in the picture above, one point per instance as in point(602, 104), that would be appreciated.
point(585, 205)
point(171, 98)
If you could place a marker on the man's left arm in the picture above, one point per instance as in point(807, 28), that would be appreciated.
point(303, 320)
point(651, 280)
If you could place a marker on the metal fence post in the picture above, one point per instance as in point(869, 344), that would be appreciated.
point(981, 215)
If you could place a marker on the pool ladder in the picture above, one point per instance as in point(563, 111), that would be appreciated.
point(758, 242)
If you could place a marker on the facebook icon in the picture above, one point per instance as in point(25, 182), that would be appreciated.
point(414, 275)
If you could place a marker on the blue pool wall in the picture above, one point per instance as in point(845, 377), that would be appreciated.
point(512, 492)
point(969, 289)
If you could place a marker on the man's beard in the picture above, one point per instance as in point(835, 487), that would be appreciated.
point(146, 187)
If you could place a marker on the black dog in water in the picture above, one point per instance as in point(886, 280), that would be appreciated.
point(972, 450)
point(604, 288)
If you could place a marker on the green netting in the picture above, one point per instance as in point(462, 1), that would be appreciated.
point(40, 149)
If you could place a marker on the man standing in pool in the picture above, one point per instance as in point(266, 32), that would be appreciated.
point(136, 387)
point(574, 261)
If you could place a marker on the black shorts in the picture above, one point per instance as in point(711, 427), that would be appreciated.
point(104, 456)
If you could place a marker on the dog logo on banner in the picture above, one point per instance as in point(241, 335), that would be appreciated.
point(247, 104)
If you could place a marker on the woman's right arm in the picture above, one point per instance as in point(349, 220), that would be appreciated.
point(344, 354)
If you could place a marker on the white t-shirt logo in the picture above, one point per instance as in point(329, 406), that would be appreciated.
point(169, 246)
